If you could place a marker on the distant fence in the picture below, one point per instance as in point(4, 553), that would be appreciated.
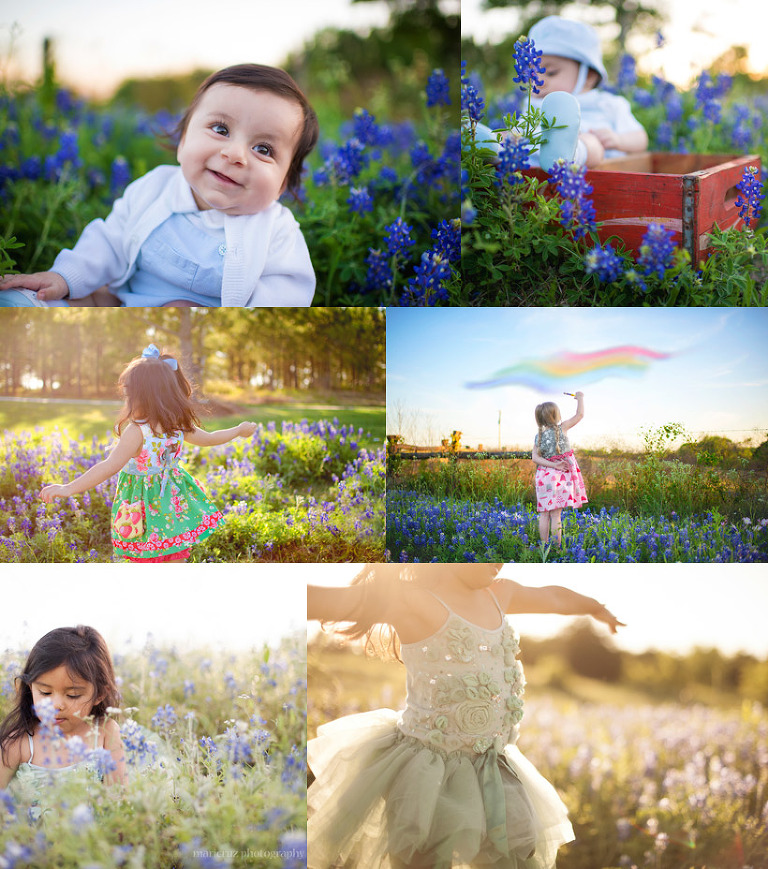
point(461, 454)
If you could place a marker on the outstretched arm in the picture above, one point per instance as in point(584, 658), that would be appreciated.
point(516, 598)
point(201, 438)
point(128, 446)
point(578, 416)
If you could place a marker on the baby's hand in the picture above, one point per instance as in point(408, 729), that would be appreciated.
point(608, 138)
point(246, 429)
point(578, 395)
point(48, 493)
point(49, 285)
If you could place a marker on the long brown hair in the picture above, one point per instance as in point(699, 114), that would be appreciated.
point(157, 394)
point(84, 653)
point(264, 78)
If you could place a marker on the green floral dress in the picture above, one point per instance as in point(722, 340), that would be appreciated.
point(442, 784)
point(159, 510)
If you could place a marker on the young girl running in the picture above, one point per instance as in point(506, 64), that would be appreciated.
point(558, 479)
point(159, 510)
point(58, 726)
point(441, 784)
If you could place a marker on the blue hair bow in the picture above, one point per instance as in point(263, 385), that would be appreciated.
point(152, 352)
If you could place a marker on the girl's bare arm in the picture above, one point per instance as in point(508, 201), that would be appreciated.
point(562, 465)
point(578, 416)
point(127, 447)
point(516, 598)
point(201, 438)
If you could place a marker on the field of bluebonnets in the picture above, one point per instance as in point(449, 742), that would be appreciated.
point(216, 763)
point(651, 508)
point(521, 247)
point(379, 206)
point(650, 783)
point(300, 491)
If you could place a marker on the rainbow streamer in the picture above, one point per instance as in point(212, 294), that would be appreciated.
point(548, 375)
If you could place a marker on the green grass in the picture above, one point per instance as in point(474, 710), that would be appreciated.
point(94, 419)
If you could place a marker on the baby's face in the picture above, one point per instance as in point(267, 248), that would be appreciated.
point(72, 698)
point(237, 148)
point(560, 74)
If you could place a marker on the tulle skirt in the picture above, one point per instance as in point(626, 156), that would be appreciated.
point(383, 800)
point(557, 489)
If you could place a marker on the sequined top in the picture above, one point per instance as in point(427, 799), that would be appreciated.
point(547, 441)
point(464, 686)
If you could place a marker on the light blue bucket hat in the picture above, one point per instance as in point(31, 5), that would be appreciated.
point(571, 39)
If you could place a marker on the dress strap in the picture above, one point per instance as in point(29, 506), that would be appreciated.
point(498, 605)
point(31, 747)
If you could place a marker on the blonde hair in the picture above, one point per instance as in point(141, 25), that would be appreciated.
point(547, 415)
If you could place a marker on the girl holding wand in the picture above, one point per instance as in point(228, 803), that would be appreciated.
point(558, 479)
point(159, 510)
point(441, 784)
point(59, 725)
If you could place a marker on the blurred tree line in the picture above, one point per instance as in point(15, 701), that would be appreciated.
point(80, 352)
point(583, 651)
point(341, 70)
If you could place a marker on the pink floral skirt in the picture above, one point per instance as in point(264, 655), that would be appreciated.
point(162, 559)
point(557, 489)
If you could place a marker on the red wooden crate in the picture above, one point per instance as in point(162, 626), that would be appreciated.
point(686, 193)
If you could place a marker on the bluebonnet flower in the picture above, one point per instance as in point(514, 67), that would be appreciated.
point(749, 200)
point(438, 87)
point(102, 761)
point(664, 135)
point(426, 287)
point(379, 275)
point(512, 158)
point(528, 65)
point(293, 848)
point(165, 718)
point(365, 129)
point(120, 175)
point(82, 816)
point(627, 76)
point(578, 213)
point(472, 103)
point(194, 856)
point(656, 250)
point(360, 200)
point(643, 98)
point(605, 263)
point(447, 238)
point(398, 237)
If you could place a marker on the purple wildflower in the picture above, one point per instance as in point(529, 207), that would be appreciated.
point(528, 65)
point(656, 250)
point(749, 201)
point(438, 89)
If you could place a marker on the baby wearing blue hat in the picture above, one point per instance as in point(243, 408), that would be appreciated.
point(591, 124)
point(573, 66)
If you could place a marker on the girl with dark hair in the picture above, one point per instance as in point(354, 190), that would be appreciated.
point(59, 725)
point(209, 231)
point(159, 510)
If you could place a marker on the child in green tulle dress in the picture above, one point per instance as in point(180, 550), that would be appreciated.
point(442, 783)
point(160, 510)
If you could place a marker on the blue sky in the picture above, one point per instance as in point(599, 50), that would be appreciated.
point(717, 381)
